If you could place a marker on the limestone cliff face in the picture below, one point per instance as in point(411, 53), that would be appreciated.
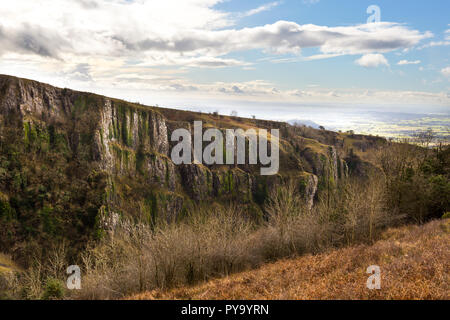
point(121, 151)
point(134, 141)
point(197, 181)
point(126, 142)
point(311, 189)
point(32, 98)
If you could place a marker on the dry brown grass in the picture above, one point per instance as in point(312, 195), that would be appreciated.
point(6, 264)
point(414, 262)
point(210, 242)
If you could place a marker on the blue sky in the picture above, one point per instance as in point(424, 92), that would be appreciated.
point(275, 59)
point(421, 15)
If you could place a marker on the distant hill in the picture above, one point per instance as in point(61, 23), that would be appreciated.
point(307, 123)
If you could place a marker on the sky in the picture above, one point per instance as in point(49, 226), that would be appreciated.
point(325, 60)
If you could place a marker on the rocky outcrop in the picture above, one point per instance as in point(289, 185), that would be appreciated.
point(29, 97)
point(314, 161)
point(311, 190)
point(129, 145)
point(118, 138)
point(338, 166)
point(197, 181)
point(325, 163)
point(233, 182)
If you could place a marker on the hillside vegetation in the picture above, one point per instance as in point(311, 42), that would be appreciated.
point(414, 263)
point(88, 180)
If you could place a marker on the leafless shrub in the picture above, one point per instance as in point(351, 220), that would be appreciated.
point(215, 241)
point(291, 227)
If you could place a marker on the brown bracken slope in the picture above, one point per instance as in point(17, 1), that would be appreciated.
point(414, 262)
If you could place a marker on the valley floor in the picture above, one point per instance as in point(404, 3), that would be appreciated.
point(414, 263)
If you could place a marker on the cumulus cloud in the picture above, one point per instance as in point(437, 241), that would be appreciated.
point(259, 90)
point(435, 44)
point(440, 43)
point(281, 37)
point(80, 72)
point(32, 39)
point(149, 45)
point(406, 62)
point(372, 61)
point(192, 28)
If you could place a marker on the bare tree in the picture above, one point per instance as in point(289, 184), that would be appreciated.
point(424, 138)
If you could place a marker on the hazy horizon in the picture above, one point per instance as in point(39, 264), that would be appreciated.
point(342, 64)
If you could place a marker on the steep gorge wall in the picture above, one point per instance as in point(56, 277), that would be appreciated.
point(112, 158)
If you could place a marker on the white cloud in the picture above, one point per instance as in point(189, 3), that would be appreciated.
point(406, 62)
point(435, 44)
point(372, 61)
point(141, 45)
point(446, 71)
point(264, 7)
point(162, 30)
